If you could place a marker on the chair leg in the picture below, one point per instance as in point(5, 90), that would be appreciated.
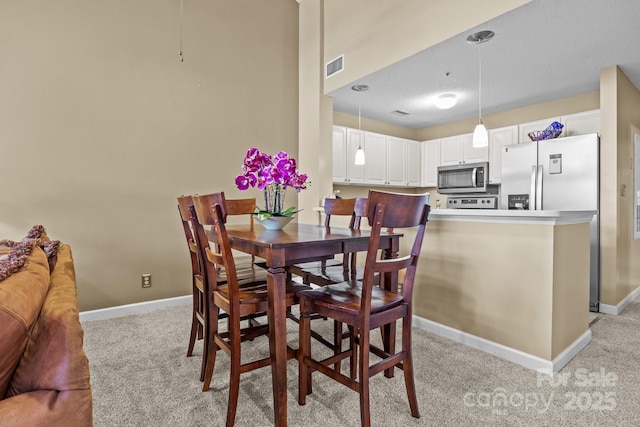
point(195, 327)
point(234, 376)
point(210, 350)
point(407, 367)
point(337, 342)
point(200, 309)
point(304, 350)
point(388, 333)
point(353, 360)
point(365, 409)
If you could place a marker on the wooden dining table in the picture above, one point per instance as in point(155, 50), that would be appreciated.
point(297, 243)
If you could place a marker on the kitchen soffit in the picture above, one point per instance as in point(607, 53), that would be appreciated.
point(544, 50)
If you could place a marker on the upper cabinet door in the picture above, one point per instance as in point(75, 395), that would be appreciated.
point(498, 138)
point(581, 123)
point(339, 156)
point(355, 173)
point(375, 163)
point(430, 162)
point(471, 154)
point(459, 149)
point(451, 150)
point(413, 163)
point(396, 155)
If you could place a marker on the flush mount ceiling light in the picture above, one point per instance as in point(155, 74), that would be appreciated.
point(359, 160)
point(446, 101)
point(480, 136)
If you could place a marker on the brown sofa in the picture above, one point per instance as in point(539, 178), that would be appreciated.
point(44, 372)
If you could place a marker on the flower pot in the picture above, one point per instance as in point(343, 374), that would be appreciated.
point(274, 222)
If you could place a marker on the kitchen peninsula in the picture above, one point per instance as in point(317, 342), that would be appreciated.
point(512, 283)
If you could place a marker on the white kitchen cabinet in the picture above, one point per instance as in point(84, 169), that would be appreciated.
point(430, 162)
point(339, 154)
point(574, 124)
point(355, 173)
point(498, 138)
point(581, 123)
point(451, 150)
point(525, 128)
point(396, 149)
point(458, 149)
point(413, 163)
point(345, 144)
point(471, 154)
point(375, 164)
point(389, 161)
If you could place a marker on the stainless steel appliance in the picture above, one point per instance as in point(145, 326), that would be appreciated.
point(557, 174)
point(473, 202)
point(464, 178)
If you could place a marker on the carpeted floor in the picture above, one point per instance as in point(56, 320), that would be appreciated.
point(141, 377)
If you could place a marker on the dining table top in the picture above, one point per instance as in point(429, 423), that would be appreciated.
point(295, 233)
point(298, 242)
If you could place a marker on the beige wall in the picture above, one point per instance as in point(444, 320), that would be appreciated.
point(102, 126)
point(620, 101)
point(315, 111)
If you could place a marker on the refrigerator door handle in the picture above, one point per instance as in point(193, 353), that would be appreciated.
point(474, 178)
point(539, 187)
point(532, 194)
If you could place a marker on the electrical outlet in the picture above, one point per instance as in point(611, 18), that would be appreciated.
point(146, 280)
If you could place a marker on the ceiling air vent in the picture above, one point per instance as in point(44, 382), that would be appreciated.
point(334, 66)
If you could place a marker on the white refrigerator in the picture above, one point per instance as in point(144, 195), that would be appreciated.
point(557, 174)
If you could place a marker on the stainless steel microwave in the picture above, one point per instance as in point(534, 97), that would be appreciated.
point(464, 178)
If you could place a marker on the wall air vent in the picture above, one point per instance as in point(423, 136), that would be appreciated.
point(400, 113)
point(334, 66)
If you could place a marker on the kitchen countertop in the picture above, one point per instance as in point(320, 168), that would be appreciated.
point(545, 217)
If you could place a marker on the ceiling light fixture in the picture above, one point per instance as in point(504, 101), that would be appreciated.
point(446, 101)
point(359, 160)
point(480, 136)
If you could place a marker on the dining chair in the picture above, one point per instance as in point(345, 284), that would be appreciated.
point(314, 271)
point(244, 207)
point(364, 306)
point(197, 285)
point(231, 298)
point(323, 274)
point(247, 276)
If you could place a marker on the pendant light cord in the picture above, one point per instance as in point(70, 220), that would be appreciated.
point(181, 31)
point(479, 86)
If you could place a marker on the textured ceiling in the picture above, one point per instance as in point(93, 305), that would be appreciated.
point(544, 50)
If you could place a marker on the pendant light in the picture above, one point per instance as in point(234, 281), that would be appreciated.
point(359, 160)
point(480, 135)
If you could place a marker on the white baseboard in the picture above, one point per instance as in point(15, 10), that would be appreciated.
point(617, 309)
point(140, 307)
point(548, 367)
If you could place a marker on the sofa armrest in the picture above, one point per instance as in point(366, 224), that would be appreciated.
point(54, 360)
point(48, 408)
